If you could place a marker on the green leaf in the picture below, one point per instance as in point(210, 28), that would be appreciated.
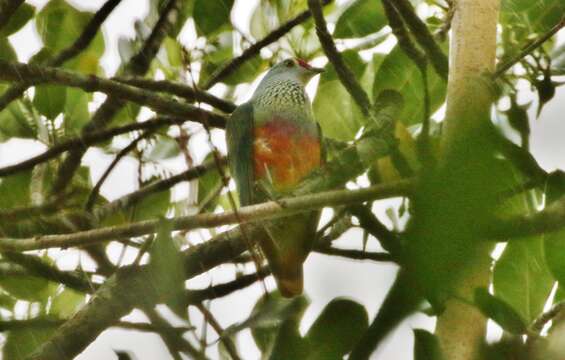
point(7, 52)
point(60, 24)
point(14, 190)
point(167, 269)
point(289, 344)
point(21, 343)
point(16, 122)
point(49, 100)
point(362, 18)
point(521, 277)
point(499, 311)
point(267, 316)
point(339, 327)
point(76, 111)
point(398, 72)
point(212, 16)
point(529, 16)
point(334, 108)
point(208, 184)
point(28, 288)
point(67, 303)
point(426, 346)
point(22, 15)
point(152, 206)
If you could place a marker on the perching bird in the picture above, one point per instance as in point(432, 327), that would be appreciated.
point(273, 143)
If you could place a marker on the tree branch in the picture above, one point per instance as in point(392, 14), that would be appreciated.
point(81, 43)
point(344, 74)
point(37, 74)
point(227, 69)
point(268, 210)
point(88, 139)
point(179, 89)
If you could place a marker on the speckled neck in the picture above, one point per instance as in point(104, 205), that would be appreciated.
point(283, 96)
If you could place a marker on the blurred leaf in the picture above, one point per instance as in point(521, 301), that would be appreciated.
point(208, 184)
point(267, 315)
point(28, 288)
point(76, 111)
point(167, 269)
point(500, 312)
point(7, 52)
point(426, 346)
point(521, 277)
point(362, 18)
point(163, 148)
point(558, 60)
point(14, 190)
point(398, 72)
point(21, 343)
point(212, 16)
point(289, 344)
point(49, 100)
point(334, 108)
point(22, 15)
point(546, 90)
point(339, 327)
point(531, 16)
point(16, 122)
point(152, 206)
point(127, 114)
point(65, 304)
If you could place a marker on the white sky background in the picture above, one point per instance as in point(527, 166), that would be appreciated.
point(325, 277)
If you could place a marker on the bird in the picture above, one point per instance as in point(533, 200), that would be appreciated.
point(273, 143)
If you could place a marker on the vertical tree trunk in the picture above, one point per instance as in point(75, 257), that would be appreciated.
point(472, 55)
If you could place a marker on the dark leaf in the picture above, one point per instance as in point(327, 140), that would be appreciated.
point(21, 343)
point(426, 346)
point(212, 16)
point(23, 14)
point(499, 311)
point(362, 18)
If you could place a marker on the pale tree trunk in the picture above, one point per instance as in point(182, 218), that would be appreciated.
point(461, 327)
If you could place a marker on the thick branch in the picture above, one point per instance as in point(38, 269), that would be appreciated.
point(268, 210)
point(35, 74)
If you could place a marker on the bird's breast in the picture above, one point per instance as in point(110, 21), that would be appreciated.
point(285, 152)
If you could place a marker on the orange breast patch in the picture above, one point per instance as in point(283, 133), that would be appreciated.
point(284, 153)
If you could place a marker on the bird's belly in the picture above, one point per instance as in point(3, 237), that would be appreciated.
point(284, 154)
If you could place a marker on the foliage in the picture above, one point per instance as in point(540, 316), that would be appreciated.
point(500, 181)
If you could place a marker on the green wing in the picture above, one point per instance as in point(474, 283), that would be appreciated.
point(239, 138)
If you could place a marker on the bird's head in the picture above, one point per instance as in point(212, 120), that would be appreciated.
point(295, 69)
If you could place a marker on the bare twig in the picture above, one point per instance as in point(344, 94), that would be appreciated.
point(179, 89)
point(126, 150)
point(210, 319)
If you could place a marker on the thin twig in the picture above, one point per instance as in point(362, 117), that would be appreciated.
point(126, 150)
point(179, 89)
point(228, 343)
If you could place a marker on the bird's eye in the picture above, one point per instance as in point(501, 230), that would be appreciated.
point(289, 63)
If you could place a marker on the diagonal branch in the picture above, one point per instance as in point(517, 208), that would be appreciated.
point(226, 70)
point(345, 75)
point(36, 74)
